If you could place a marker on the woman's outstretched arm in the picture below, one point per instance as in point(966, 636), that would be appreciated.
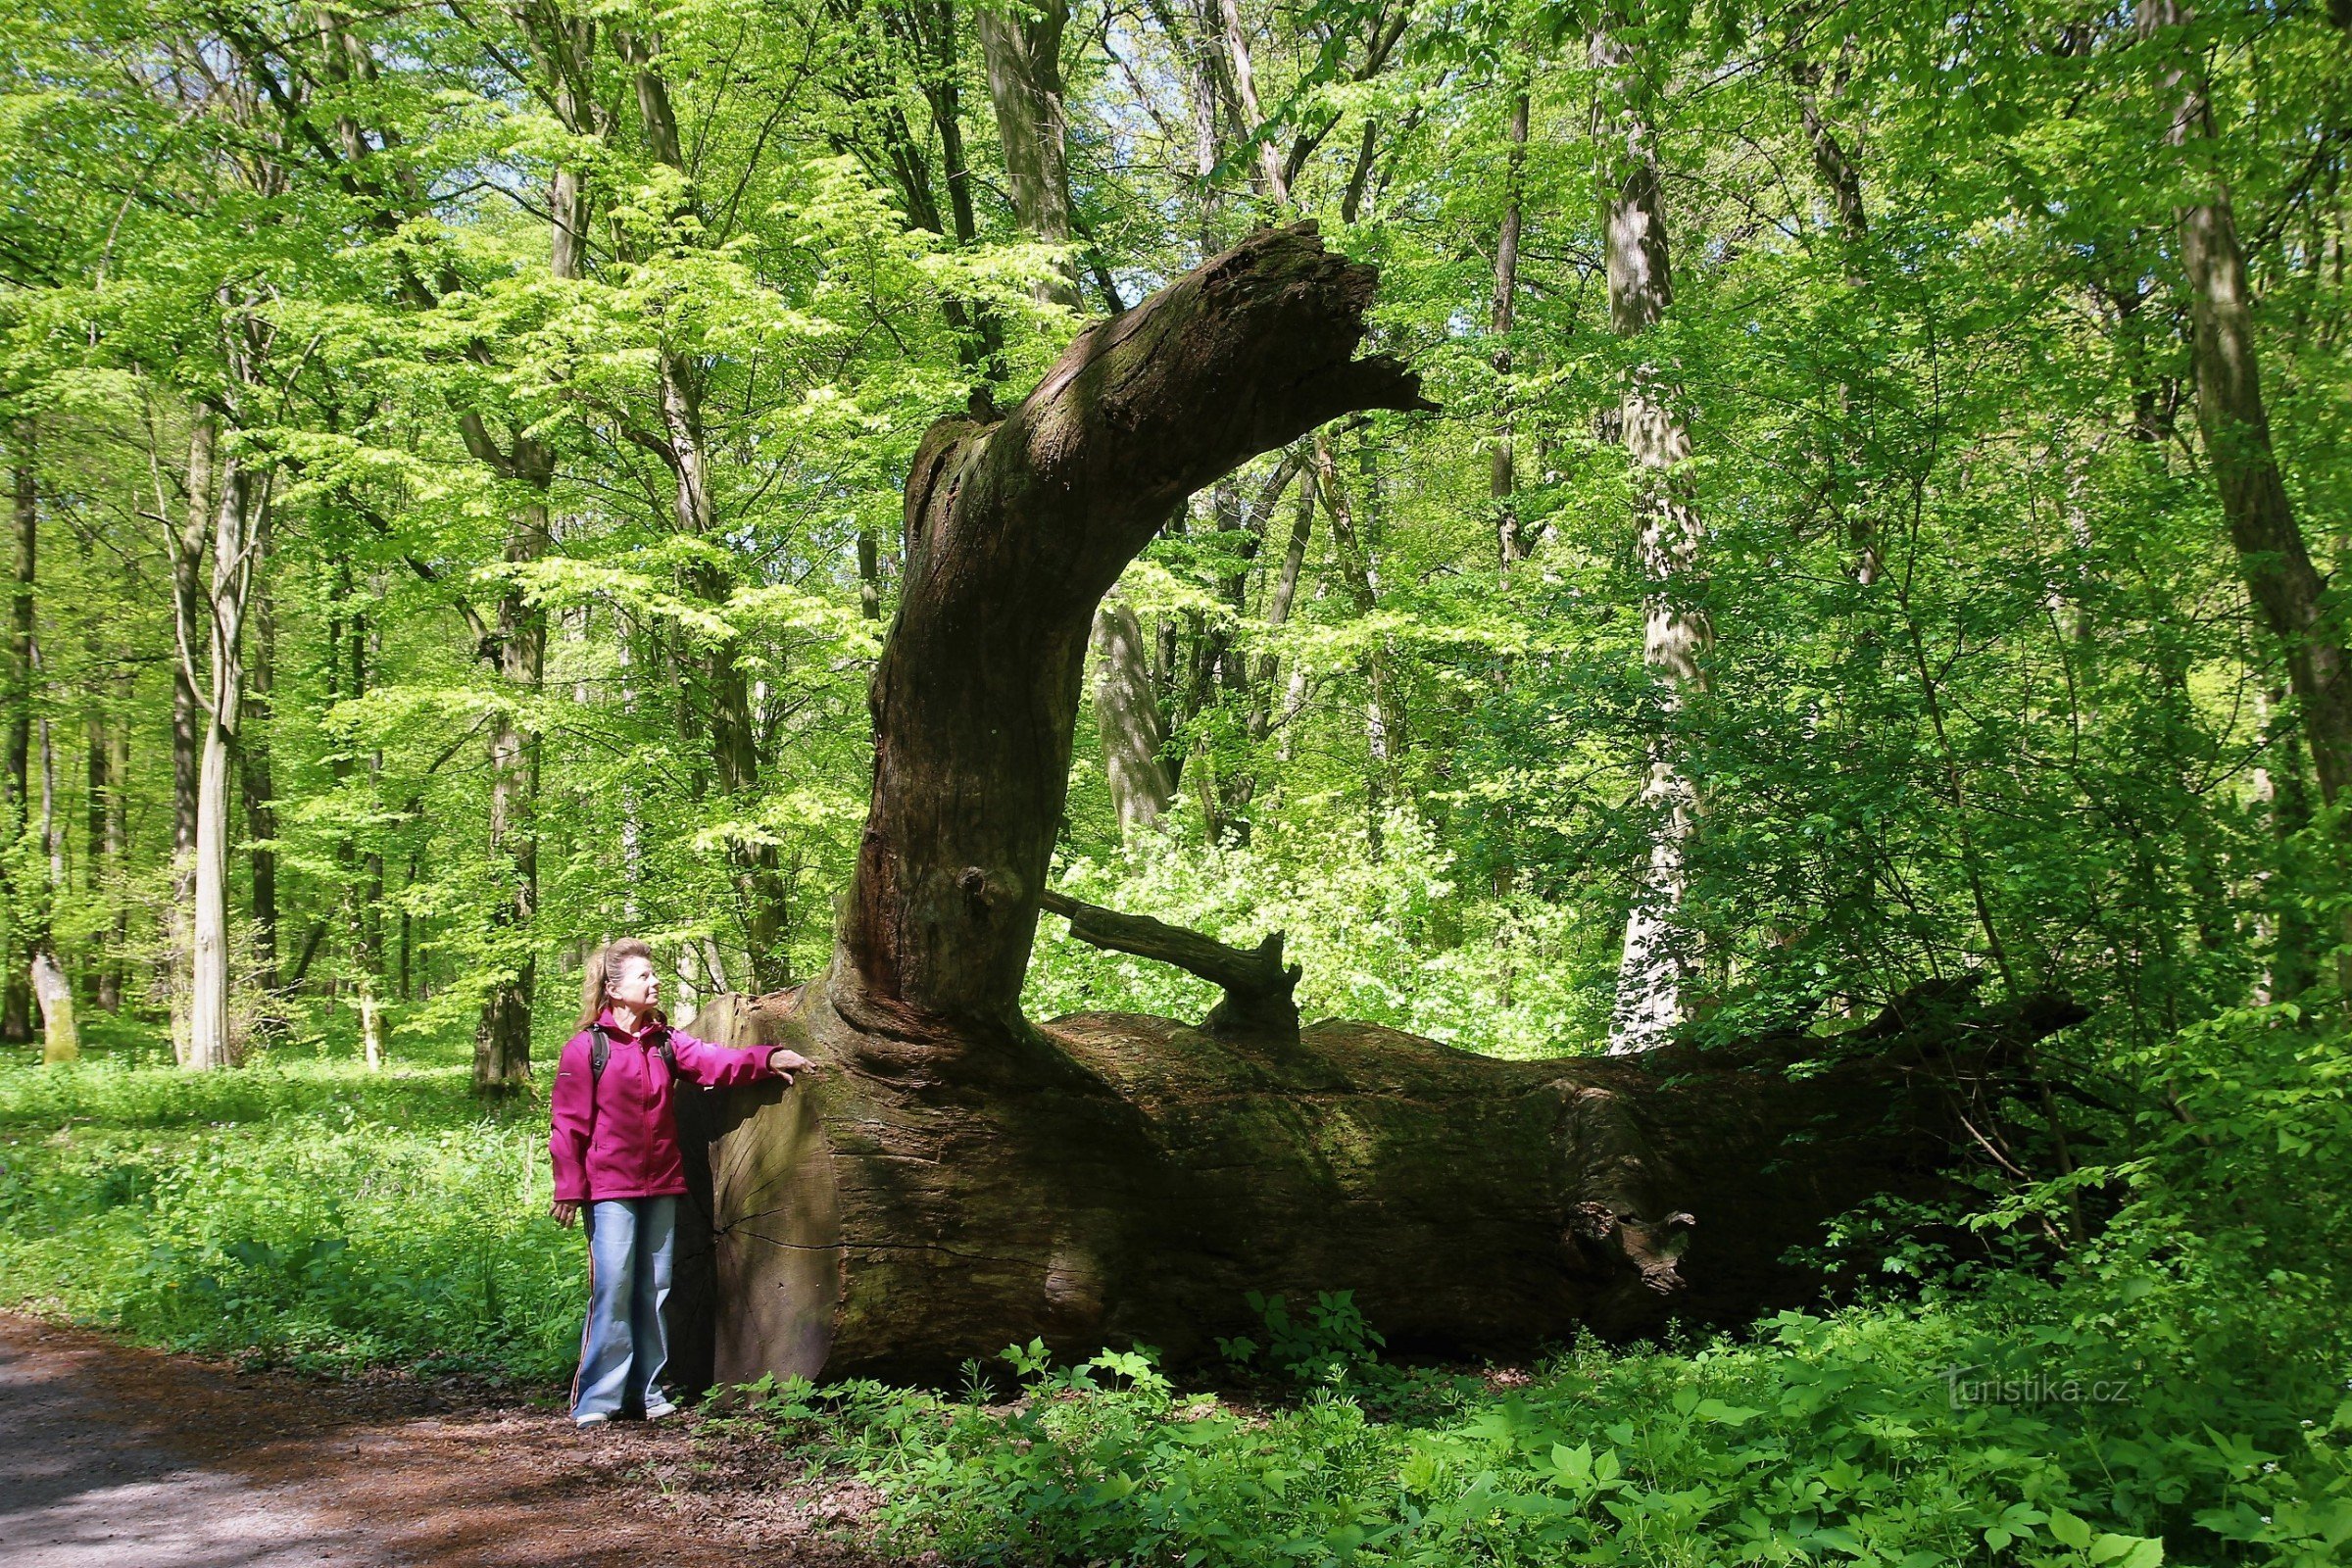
point(718, 1066)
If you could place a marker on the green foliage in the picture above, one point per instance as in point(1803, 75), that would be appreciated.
point(303, 1210)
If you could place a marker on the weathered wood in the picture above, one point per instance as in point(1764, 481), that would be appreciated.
point(952, 1178)
point(897, 1223)
point(1260, 988)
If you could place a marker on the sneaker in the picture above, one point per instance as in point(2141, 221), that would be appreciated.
point(659, 1410)
point(594, 1418)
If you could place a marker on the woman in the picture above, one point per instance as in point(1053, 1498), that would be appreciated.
point(614, 1144)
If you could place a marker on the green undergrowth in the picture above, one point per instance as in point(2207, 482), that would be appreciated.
point(2172, 1387)
point(300, 1211)
point(2023, 1432)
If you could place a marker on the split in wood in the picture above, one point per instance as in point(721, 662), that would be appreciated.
point(1259, 989)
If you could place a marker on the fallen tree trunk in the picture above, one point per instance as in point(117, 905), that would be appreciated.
point(954, 1179)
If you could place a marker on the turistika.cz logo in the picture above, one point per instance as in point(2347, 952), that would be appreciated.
point(2031, 1388)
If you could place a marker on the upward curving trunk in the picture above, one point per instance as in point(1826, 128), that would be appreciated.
point(952, 1178)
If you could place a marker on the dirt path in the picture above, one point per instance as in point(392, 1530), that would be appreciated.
point(125, 1459)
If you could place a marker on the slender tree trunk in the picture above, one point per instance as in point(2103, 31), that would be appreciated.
point(502, 1052)
point(212, 1042)
point(1656, 975)
point(16, 995)
point(1128, 719)
point(1502, 480)
point(1023, 55)
point(1272, 182)
point(1383, 716)
point(255, 780)
point(97, 877)
point(118, 848)
point(517, 647)
point(2286, 588)
point(61, 1032)
point(1840, 180)
point(192, 632)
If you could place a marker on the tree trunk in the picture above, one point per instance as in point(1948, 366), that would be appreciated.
point(734, 732)
point(1654, 976)
point(1502, 479)
point(2286, 588)
point(502, 1045)
point(1128, 720)
point(255, 782)
point(1023, 55)
point(1383, 716)
point(16, 995)
point(243, 494)
point(61, 1034)
point(191, 631)
point(117, 850)
point(952, 1179)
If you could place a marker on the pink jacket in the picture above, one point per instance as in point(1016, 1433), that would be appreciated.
point(619, 1139)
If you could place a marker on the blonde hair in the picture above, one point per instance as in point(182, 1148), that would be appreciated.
point(597, 977)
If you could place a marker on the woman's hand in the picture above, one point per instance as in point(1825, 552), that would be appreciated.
point(784, 1063)
point(564, 1211)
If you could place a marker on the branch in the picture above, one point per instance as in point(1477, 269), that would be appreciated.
point(1258, 986)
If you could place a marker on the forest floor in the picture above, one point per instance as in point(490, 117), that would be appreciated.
point(123, 1457)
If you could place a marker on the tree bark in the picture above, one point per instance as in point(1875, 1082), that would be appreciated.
point(16, 995)
point(243, 494)
point(1502, 479)
point(2284, 585)
point(191, 630)
point(255, 781)
point(952, 1178)
point(1022, 51)
point(1655, 973)
point(1128, 720)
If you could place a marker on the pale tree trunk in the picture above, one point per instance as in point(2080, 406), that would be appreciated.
point(1502, 479)
point(952, 1178)
point(188, 545)
point(61, 1034)
point(1127, 718)
point(1384, 720)
point(2285, 586)
point(255, 782)
point(1656, 973)
point(118, 849)
point(15, 995)
point(1272, 181)
point(212, 1043)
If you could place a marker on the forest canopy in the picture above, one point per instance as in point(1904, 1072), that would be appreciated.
point(1838, 520)
point(457, 459)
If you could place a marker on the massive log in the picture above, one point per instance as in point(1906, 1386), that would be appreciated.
point(954, 1177)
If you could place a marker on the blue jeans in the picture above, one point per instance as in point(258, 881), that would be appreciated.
point(624, 1349)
